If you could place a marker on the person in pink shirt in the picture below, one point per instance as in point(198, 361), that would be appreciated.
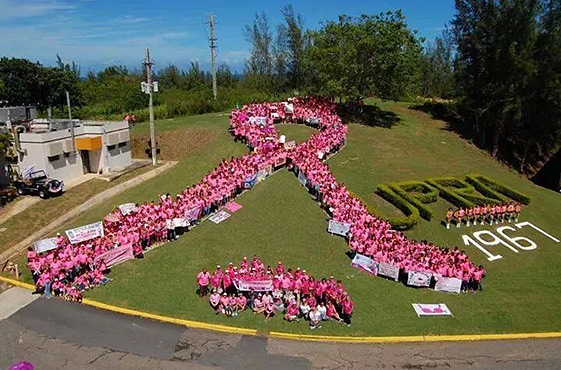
point(203, 279)
point(214, 301)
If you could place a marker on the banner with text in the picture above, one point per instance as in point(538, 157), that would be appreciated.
point(416, 278)
point(127, 208)
point(432, 309)
point(116, 255)
point(45, 245)
point(365, 263)
point(290, 145)
point(388, 270)
point(339, 228)
point(219, 216)
point(86, 232)
point(448, 284)
point(256, 285)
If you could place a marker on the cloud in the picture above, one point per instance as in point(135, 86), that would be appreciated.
point(129, 19)
point(12, 9)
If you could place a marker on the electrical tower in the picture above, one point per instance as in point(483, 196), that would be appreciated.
point(213, 47)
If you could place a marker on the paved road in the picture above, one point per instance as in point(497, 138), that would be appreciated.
point(57, 335)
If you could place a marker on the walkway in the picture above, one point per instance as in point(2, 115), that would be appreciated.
point(93, 201)
point(54, 334)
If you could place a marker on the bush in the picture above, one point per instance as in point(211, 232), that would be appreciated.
point(424, 194)
point(411, 213)
point(491, 188)
point(463, 194)
point(422, 191)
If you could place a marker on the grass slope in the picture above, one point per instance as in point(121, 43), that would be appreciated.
point(280, 221)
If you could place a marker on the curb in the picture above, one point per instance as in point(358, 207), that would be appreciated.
point(303, 337)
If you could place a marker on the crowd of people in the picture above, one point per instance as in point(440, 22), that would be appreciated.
point(75, 267)
point(269, 291)
point(480, 213)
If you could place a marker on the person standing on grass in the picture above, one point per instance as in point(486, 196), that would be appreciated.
point(203, 279)
point(347, 307)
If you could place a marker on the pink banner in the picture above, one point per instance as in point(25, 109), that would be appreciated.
point(116, 255)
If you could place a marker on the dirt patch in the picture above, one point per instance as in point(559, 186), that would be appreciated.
point(174, 145)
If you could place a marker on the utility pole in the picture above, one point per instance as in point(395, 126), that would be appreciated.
point(213, 47)
point(149, 89)
point(70, 119)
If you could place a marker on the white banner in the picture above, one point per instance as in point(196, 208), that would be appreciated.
point(290, 145)
point(388, 270)
point(180, 222)
point(339, 228)
point(127, 208)
point(432, 309)
point(258, 120)
point(218, 217)
point(449, 285)
point(416, 278)
point(255, 285)
point(45, 245)
point(365, 263)
point(86, 232)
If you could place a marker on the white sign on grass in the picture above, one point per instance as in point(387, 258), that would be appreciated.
point(388, 270)
point(365, 263)
point(218, 217)
point(432, 309)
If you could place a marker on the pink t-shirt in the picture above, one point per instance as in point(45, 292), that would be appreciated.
point(203, 278)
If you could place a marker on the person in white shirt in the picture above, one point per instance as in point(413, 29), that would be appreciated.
point(304, 309)
point(322, 311)
point(315, 318)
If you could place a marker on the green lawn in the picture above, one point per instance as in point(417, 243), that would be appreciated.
point(280, 221)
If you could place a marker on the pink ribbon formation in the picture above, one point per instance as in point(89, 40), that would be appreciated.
point(254, 124)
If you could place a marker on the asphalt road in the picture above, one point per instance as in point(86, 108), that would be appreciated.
point(53, 334)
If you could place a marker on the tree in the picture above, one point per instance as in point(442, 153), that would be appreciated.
point(438, 67)
point(369, 55)
point(21, 81)
point(171, 77)
point(496, 66)
point(295, 44)
point(259, 66)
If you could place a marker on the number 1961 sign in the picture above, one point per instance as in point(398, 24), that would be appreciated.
point(514, 243)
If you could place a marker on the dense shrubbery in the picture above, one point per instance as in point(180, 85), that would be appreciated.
point(411, 213)
point(418, 194)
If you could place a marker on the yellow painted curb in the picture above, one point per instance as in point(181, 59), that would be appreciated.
point(303, 337)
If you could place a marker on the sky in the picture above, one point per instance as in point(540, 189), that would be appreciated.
point(99, 33)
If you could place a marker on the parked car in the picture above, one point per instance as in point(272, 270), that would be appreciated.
point(38, 183)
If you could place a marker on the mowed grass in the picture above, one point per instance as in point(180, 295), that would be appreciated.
point(280, 221)
point(44, 212)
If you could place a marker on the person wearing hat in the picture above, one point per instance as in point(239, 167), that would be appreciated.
point(214, 301)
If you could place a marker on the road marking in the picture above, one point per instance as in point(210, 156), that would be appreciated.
point(303, 337)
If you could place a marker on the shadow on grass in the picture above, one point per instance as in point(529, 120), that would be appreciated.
point(371, 116)
point(448, 113)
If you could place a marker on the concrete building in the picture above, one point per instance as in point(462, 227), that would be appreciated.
point(65, 153)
